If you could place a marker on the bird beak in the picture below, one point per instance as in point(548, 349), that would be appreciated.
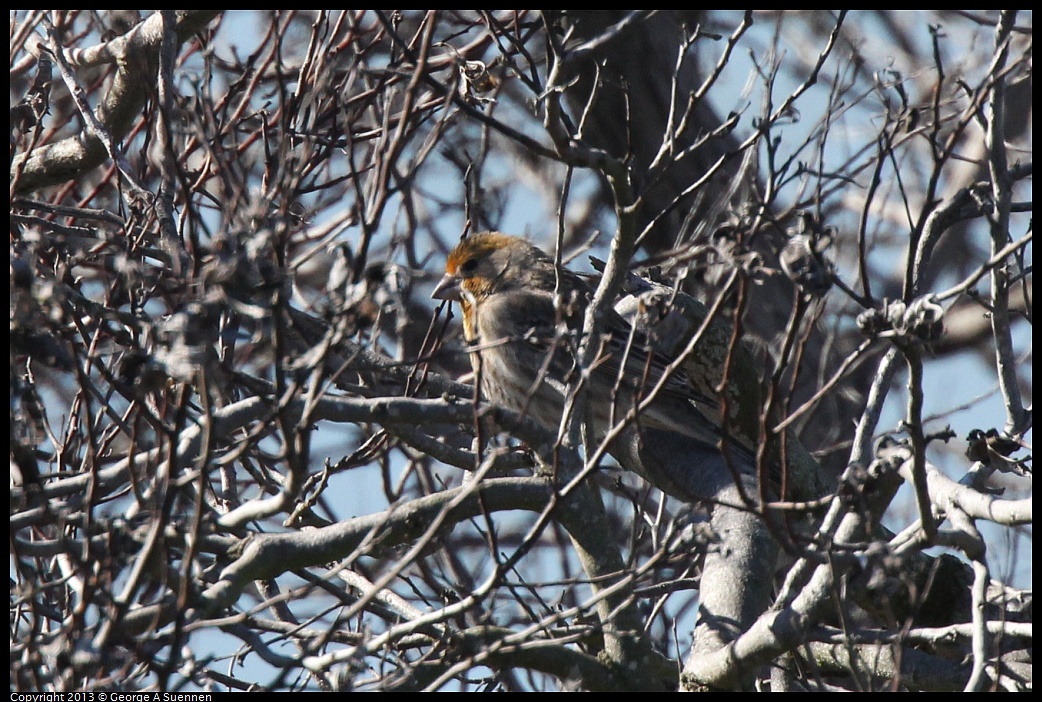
point(447, 289)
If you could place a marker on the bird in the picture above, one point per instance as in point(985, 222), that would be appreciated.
point(523, 318)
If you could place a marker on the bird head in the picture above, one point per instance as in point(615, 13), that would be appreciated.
point(491, 262)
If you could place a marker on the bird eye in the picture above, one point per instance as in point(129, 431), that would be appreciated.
point(469, 266)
